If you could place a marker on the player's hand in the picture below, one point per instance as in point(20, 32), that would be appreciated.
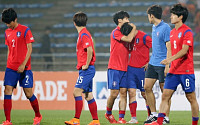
point(132, 24)
point(21, 68)
point(166, 70)
point(145, 66)
point(165, 62)
point(84, 67)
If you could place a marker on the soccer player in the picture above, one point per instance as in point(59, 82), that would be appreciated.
point(137, 65)
point(182, 68)
point(160, 50)
point(117, 66)
point(86, 59)
point(19, 40)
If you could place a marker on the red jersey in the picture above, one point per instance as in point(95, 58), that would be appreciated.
point(119, 53)
point(182, 36)
point(84, 41)
point(17, 40)
point(140, 50)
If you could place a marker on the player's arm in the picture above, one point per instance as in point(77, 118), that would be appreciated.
point(89, 57)
point(8, 52)
point(181, 53)
point(131, 35)
point(28, 54)
point(168, 45)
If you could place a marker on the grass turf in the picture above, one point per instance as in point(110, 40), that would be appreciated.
point(54, 117)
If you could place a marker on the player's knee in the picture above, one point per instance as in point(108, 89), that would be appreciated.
point(165, 97)
point(28, 95)
point(191, 97)
point(132, 94)
point(77, 92)
point(7, 92)
point(147, 88)
point(114, 95)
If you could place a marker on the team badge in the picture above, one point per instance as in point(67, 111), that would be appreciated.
point(18, 34)
point(114, 83)
point(179, 35)
point(137, 40)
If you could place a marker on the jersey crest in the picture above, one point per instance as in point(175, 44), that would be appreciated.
point(137, 40)
point(18, 34)
point(179, 35)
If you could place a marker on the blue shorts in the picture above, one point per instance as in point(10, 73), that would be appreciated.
point(116, 79)
point(85, 79)
point(25, 79)
point(187, 82)
point(135, 78)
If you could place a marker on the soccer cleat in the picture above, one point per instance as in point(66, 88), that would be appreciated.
point(111, 119)
point(166, 121)
point(6, 123)
point(151, 119)
point(73, 121)
point(121, 121)
point(133, 121)
point(37, 120)
point(94, 122)
point(153, 123)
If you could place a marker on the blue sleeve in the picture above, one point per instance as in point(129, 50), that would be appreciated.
point(167, 33)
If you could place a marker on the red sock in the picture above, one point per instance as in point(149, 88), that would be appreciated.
point(78, 106)
point(108, 111)
point(93, 108)
point(148, 110)
point(133, 107)
point(7, 106)
point(160, 118)
point(121, 114)
point(195, 120)
point(34, 103)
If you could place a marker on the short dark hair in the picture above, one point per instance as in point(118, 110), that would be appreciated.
point(80, 19)
point(120, 15)
point(155, 10)
point(8, 15)
point(126, 29)
point(179, 10)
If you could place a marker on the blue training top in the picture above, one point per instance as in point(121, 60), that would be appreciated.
point(160, 35)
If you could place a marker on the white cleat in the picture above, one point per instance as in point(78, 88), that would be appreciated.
point(133, 121)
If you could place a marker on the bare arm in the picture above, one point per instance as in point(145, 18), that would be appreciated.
point(181, 53)
point(89, 57)
point(168, 45)
point(131, 35)
point(8, 52)
point(28, 54)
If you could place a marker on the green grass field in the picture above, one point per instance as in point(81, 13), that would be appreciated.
point(53, 117)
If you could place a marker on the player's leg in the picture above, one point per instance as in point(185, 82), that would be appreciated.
point(188, 85)
point(113, 85)
point(26, 81)
point(150, 78)
point(135, 80)
point(161, 78)
point(171, 83)
point(92, 107)
point(194, 106)
point(122, 104)
point(166, 119)
point(132, 105)
point(147, 106)
point(83, 85)
point(78, 104)
point(149, 82)
point(123, 96)
point(10, 83)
